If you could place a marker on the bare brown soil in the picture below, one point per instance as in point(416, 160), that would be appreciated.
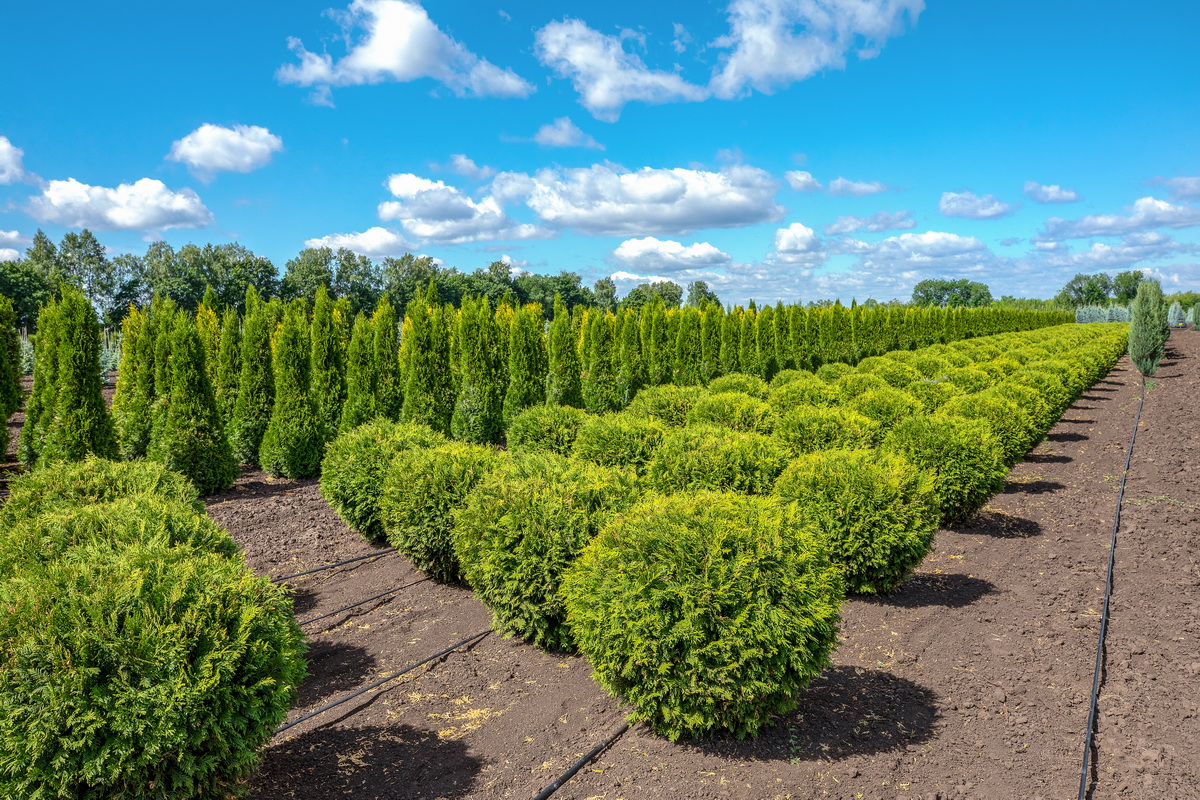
point(971, 681)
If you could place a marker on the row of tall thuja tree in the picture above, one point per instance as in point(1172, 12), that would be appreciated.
point(10, 365)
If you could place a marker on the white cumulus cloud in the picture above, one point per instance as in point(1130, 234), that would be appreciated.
point(145, 205)
point(651, 254)
point(1146, 214)
point(374, 242)
point(839, 187)
point(431, 211)
point(1131, 250)
point(464, 166)
point(802, 181)
point(1051, 194)
point(798, 245)
point(12, 168)
point(212, 148)
point(564, 133)
point(879, 221)
point(1182, 188)
point(395, 40)
point(971, 206)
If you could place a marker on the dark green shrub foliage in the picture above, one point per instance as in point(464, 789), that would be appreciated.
point(328, 372)
point(522, 527)
point(10, 360)
point(40, 406)
point(631, 372)
point(563, 383)
point(356, 463)
point(885, 406)
point(619, 440)
point(385, 350)
point(737, 382)
point(256, 384)
point(734, 410)
point(360, 378)
point(718, 459)
point(428, 390)
point(808, 429)
point(143, 671)
point(295, 438)
point(705, 612)
point(478, 407)
point(132, 398)
point(876, 511)
point(1148, 329)
point(229, 365)
point(545, 429)
point(600, 392)
point(963, 456)
point(526, 362)
point(1012, 427)
point(422, 488)
point(667, 404)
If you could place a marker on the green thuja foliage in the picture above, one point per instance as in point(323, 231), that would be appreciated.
point(886, 406)
point(805, 390)
point(545, 429)
point(707, 457)
point(730, 352)
point(208, 325)
point(1014, 430)
point(619, 440)
point(10, 360)
point(655, 352)
point(229, 366)
point(164, 314)
point(852, 384)
point(600, 392)
point(193, 442)
point(687, 348)
point(295, 437)
point(563, 383)
point(705, 612)
point(933, 394)
point(40, 407)
point(785, 376)
point(734, 410)
point(478, 406)
point(809, 429)
point(256, 384)
point(833, 371)
point(896, 374)
point(527, 366)
point(389, 391)
point(328, 380)
point(748, 342)
point(428, 391)
point(131, 404)
point(667, 404)
point(520, 529)
point(711, 327)
point(1148, 327)
point(739, 382)
point(631, 372)
point(422, 489)
point(80, 424)
point(767, 355)
point(504, 318)
point(360, 378)
point(875, 510)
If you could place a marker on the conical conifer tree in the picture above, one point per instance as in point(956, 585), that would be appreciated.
point(1147, 324)
point(731, 337)
point(229, 366)
point(631, 376)
point(359, 407)
point(748, 342)
point(478, 404)
point(389, 393)
point(711, 318)
point(40, 408)
point(10, 359)
point(163, 313)
point(527, 365)
point(563, 386)
point(193, 441)
point(504, 318)
point(328, 371)
point(764, 340)
point(295, 437)
point(783, 353)
point(129, 406)
point(208, 325)
point(256, 383)
point(658, 365)
point(600, 392)
point(670, 342)
point(80, 425)
point(687, 348)
point(428, 390)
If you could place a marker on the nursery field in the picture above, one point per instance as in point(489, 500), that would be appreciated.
point(971, 680)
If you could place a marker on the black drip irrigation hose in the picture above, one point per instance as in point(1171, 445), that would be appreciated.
point(578, 765)
point(331, 566)
point(362, 602)
point(1112, 553)
point(381, 682)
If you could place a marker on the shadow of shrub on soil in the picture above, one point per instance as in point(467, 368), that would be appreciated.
point(368, 763)
point(923, 589)
point(254, 484)
point(991, 522)
point(846, 711)
point(1066, 437)
point(304, 599)
point(1051, 458)
point(1031, 487)
point(334, 668)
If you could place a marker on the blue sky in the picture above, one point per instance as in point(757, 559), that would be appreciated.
point(793, 149)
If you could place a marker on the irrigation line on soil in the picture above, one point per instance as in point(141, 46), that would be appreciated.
point(331, 566)
point(381, 682)
point(578, 765)
point(362, 602)
point(1112, 553)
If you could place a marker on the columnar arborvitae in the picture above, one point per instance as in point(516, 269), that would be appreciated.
point(208, 325)
point(764, 342)
point(40, 408)
point(655, 350)
point(504, 318)
point(256, 384)
point(563, 385)
point(600, 392)
point(797, 341)
point(428, 391)
point(328, 380)
point(80, 424)
point(731, 337)
point(10, 359)
point(783, 353)
point(163, 313)
point(385, 335)
point(631, 375)
point(229, 366)
point(711, 329)
point(130, 407)
point(527, 365)
point(295, 437)
point(478, 406)
point(193, 442)
point(748, 342)
point(1147, 327)
point(687, 348)
point(360, 377)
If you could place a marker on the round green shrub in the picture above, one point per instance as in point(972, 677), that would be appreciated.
point(734, 410)
point(966, 461)
point(545, 429)
point(1052, 391)
point(707, 611)
point(896, 374)
point(1005, 365)
point(94, 480)
point(740, 382)
point(875, 509)
point(422, 489)
point(807, 429)
point(931, 366)
point(1011, 426)
point(619, 440)
point(969, 379)
point(145, 671)
point(853, 384)
point(356, 463)
point(1030, 402)
point(521, 528)
point(668, 403)
point(805, 391)
point(885, 406)
point(832, 371)
point(933, 394)
point(786, 376)
point(718, 459)
point(957, 358)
